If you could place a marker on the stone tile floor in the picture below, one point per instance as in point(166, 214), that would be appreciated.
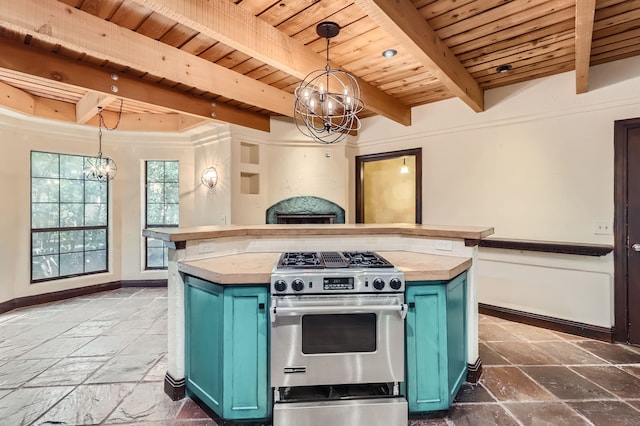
point(101, 359)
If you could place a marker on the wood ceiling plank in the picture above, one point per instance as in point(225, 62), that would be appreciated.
point(155, 26)
point(400, 19)
point(198, 44)
point(72, 73)
point(283, 10)
point(529, 69)
point(533, 73)
point(316, 13)
point(585, 12)
point(228, 23)
point(104, 9)
point(256, 7)
point(131, 16)
point(600, 45)
point(178, 36)
point(433, 9)
point(89, 34)
point(16, 99)
point(459, 13)
point(615, 20)
point(616, 55)
point(617, 29)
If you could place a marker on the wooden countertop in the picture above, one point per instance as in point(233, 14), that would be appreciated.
point(210, 232)
point(255, 268)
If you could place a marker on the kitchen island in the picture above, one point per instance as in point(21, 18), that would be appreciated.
point(423, 252)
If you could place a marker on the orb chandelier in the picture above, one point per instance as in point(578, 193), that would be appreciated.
point(101, 168)
point(327, 101)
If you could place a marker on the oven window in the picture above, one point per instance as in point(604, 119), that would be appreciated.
point(338, 333)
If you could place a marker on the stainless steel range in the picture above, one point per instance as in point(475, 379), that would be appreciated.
point(337, 340)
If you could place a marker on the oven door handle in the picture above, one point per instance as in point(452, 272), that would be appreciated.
point(320, 310)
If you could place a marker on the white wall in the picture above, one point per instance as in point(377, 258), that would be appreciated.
point(537, 164)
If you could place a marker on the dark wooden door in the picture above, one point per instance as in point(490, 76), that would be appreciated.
point(627, 231)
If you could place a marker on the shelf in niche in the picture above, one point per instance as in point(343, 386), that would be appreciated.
point(249, 183)
point(249, 153)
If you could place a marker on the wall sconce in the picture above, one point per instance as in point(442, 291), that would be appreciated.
point(209, 177)
point(404, 169)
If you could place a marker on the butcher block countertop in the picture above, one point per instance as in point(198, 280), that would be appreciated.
point(255, 268)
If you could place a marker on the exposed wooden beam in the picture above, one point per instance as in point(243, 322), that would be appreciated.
point(585, 12)
point(54, 22)
point(87, 106)
point(407, 26)
point(236, 27)
point(28, 60)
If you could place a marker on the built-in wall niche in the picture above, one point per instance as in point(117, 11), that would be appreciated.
point(249, 153)
point(249, 183)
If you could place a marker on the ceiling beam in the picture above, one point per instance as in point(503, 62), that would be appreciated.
point(238, 28)
point(408, 27)
point(54, 22)
point(87, 106)
point(585, 12)
point(32, 61)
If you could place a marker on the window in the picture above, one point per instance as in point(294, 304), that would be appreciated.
point(162, 207)
point(69, 217)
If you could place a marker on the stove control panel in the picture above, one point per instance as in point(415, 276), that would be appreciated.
point(337, 281)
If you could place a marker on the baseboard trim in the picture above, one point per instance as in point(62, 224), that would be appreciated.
point(176, 389)
point(22, 302)
point(551, 323)
point(474, 371)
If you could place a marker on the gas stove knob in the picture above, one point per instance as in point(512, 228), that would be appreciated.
point(378, 283)
point(297, 285)
point(280, 285)
point(395, 283)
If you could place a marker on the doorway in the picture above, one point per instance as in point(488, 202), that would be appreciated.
point(627, 230)
point(389, 187)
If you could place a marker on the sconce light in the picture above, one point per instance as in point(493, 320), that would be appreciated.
point(404, 169)
point(209, 177)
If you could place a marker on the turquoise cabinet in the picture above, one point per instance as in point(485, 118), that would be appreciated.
point(226, 350)
point(436, 347)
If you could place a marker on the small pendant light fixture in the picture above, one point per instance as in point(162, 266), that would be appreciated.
point(209, 177)
point(101, 168)
point(404, 169)
point(327, 101)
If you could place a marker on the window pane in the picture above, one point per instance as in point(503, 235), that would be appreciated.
point(162, 206)
point(44, 216)
point(44, 190)
point(95, 192)
point(95, 239)
point(156, 257)
point(155, 171)
point(71, 264)
point(71, 241)
point(95, 214)
point(44, 267)
point(155, 215)
point(95, 261)
point(171, 214)
point(71, 191)
point(44, 243)
point(44, 164)
point(155, 192)
point(171, 193)
point(171, 171)
point(71, 167)
point(71, 215)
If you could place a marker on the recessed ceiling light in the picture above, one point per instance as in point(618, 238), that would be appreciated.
point(389, 53)
point(503, 68)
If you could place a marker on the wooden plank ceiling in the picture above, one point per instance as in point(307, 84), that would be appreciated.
point(177, 63)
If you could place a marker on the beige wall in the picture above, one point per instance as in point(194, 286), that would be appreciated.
point(390, 196)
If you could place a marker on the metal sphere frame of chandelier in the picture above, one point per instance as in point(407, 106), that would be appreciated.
point(99, 168)
point(328, 101)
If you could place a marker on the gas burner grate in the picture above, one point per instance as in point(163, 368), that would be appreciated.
point(299, 259)
point(366, 259)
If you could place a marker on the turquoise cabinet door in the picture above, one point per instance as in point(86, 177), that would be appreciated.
point(226, 350)
point(436, 342)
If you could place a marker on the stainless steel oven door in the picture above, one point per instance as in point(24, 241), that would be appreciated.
point(324, 340)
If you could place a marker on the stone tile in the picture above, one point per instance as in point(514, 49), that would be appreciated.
point(511, 384)
point(475, 415)
point(439, 421)
point(129, 327)
point(158, 371)
point(634, 403)
point(147, 343)
point(104, 346)
point(607, 413)
point(614, 353)
point(147, 402)
point(192, 411)
point(530, 333)
point(495, 333)
point(522, 353)
point(17, 372)
point(115, 313)
point(70, 371)
point(12, 330)
point(612, 379)
point(124, 368)
point(12, 348)
point(491, 357)
point(46, 330)
point(87, 404)
point(482, 319)
point(89, 328)
point(56, 348)
point(564, 352)
point(472, 392)
point(632, 369)
point(545, 414)
point(160, 326)
point(566, 384)
point(24, 406)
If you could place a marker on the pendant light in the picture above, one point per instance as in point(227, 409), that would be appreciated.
point(327, 101)
point(404, 169)
point(101, 168)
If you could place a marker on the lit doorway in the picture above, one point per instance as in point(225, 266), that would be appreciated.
point(389, 187)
